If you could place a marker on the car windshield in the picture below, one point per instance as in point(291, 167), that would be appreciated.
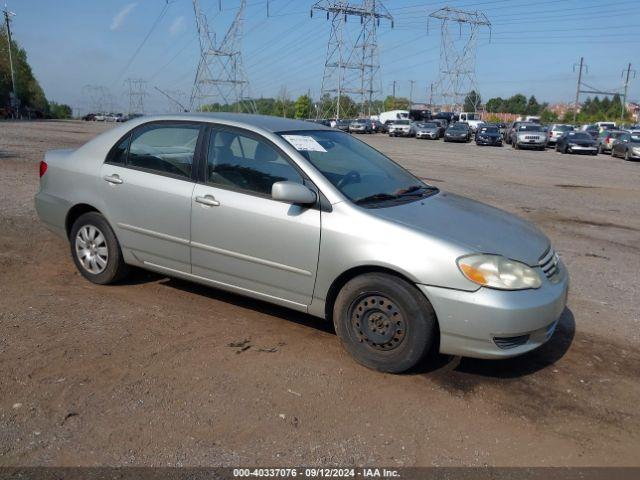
point(489, 130)
point(458, 126)
point(635, 137)
point(578, 136)
point(360, 172)
point(427, 125)
point(562, 128)
point(360, 121)
point(401, 122)
point(530, 128)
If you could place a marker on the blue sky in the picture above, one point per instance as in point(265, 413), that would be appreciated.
point(533, 47)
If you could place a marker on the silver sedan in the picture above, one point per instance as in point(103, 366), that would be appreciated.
point(310, 218)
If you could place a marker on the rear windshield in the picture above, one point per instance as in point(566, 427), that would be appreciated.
point(530, 128)
point(579, 136)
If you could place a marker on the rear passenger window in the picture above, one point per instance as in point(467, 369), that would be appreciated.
point(166, 149)
point(118, 155)
point(242, 162)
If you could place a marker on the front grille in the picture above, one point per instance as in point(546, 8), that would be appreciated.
point(549, 263)
point(532, 137)
point(505, 343)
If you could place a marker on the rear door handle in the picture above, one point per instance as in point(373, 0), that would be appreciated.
point(208, 200)
point(115, 178)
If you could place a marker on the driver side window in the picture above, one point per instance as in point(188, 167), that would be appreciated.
point(243, 162)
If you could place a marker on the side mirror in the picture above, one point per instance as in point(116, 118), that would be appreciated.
point(291, 192)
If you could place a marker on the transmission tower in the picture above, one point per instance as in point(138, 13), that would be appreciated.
point(459, 31)
point(175, 99)
point(220, 76)
point(352, 64)
point(137, 91)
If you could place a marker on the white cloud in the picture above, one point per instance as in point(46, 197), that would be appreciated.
point(118, 19)
point(177, 26)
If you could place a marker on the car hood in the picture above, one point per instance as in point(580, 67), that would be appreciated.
point(478, 226)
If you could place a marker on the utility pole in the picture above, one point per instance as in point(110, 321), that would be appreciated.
point(577, 104)
point(393, 96)
point(626, 90)
point(7, 24)
point(411, 82)
point(137, 91)
point(431, 95)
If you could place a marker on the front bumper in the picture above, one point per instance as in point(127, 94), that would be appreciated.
point(472, 322)
point(580, 149)
point(400, 133)
point(432, 135)
point(456, 139)
point(488, 141)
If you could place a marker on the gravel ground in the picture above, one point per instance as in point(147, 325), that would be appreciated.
point(157, 371)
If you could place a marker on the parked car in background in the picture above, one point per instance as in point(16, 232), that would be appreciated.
point(627, 146)
point(402, 128)
point(529, 135)
point(442, 126)
point(311, 219)
point(89, 117)
point(510, 131)
point(606, 139)
point(343, 124)
point(457, 132)
point(489, 135)
point(100, 117)
point(577, 142)
point(429, 130)
point(606, 125)
point(592, 130)
point(556, 131)
point(503, 128)
point(361, 125)
point(378, 126)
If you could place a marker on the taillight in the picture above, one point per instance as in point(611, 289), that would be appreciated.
point(43, 168)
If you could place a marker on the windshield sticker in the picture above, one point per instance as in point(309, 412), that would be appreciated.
point(304, 143)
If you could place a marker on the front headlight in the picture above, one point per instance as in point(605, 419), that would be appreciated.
point(496, 271)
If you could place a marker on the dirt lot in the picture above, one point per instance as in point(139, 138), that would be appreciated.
point(156, 371)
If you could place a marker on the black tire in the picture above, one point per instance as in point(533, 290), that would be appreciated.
point(400, 326)
point(115, 268)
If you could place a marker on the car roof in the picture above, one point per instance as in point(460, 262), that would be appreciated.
point(264, 122)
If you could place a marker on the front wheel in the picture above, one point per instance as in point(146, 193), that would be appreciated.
point(384, 322)
point(95, 250)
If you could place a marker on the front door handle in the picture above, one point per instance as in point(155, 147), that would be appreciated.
point(208, 200)
point(115, 179)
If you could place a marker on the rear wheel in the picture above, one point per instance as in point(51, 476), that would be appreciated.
point(384, 322)
point(95, 250)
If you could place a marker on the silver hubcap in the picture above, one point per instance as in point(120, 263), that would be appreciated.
point(91, 249)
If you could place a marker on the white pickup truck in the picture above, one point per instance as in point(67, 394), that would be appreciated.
point(472, 118)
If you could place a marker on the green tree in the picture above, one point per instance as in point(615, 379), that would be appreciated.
point(547, 116)
point(28, 89)
point(397, 103)
point(533, 107)
point(495, 105)
point(303, 107)
point(472, 101)
point(60, 110)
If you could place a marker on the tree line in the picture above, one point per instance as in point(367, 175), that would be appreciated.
point(28, 90)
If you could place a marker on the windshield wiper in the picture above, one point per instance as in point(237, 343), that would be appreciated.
point(376, 197)
point(414, 190)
